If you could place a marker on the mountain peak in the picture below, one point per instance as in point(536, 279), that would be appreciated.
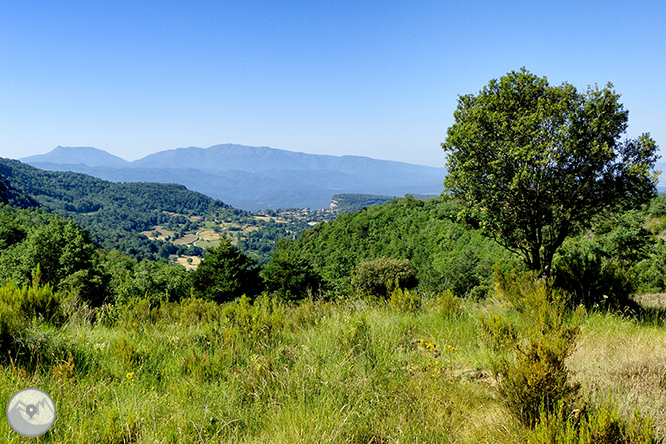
point(75, 155)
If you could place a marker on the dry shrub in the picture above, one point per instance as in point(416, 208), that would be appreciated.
point(497, 333)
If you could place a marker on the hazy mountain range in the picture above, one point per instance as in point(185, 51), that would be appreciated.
point(252, 178)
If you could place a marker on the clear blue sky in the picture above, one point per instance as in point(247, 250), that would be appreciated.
point(370, 78)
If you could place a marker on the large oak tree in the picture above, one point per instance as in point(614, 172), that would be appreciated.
point(533, 163)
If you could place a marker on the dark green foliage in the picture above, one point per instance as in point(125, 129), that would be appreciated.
point(288, 275)
point(11, 232)
point(649, 275)
point(596, 267)
point(76, 267)
point(445, 253)
point(11, 196)
point(225, 274)
point(66, 258)
point(378, 277)
point(534, 163)
point(592, 277)
point(154, 281)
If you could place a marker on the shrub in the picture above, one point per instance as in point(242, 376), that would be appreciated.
point(377, 277)
point(600, 426)
point(225, 274)
point(596, 268)
point(536, 379)
point(497, 332)
point(288, 275)
point(447, 303)
point(405, 300)
point(592, 279)
point(19, 305)
point(479, 292)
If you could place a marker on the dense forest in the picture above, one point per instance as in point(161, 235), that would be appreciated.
point(621, 254)
point(115, 214)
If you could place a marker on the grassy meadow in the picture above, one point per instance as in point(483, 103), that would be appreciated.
point(415, 369)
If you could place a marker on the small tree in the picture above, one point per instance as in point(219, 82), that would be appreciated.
point(289, 275)
point(225, 274)
point(532, 163)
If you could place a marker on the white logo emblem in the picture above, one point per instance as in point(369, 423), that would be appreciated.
point(31, 412)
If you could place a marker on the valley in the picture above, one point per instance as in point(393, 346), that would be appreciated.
point(246, 233)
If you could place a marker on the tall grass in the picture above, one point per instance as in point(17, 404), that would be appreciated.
point(349, 371)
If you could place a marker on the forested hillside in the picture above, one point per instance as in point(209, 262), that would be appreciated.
point(445, 253)
point(623, 253)
point(116, 213)
point(44, 248)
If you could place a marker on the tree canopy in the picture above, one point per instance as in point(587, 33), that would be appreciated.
point(533, 163)
point(225, 274)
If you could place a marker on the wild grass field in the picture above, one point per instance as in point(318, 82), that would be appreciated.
point(411, 369)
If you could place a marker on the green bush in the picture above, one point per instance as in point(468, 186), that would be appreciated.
point(405, 300)
point(377, 277)
point(19, 305)
point(447, 304)
point(536, 379)
point(288, 275)
point(596, 267)
point(591, 277)
point(225, 274)
point(600, 426)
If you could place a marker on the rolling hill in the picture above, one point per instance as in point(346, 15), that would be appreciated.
point(125, 216)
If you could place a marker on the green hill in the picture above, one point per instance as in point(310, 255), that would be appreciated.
point(116, 214)
point(445, 253)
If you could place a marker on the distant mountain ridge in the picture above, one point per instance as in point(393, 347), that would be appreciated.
point(85, 155)
point(253, 178)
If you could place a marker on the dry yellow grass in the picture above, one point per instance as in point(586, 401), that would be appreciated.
point(163, 233)
point(209, 235)
point(623, 360)
point(651, 300)
point(189, 265)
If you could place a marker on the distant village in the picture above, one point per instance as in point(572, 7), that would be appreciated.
point(311, 217)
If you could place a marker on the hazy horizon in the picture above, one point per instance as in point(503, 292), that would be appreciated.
point(378, 79)
point(215, 145)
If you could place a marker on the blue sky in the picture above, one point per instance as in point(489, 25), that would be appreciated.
point(378, 79)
